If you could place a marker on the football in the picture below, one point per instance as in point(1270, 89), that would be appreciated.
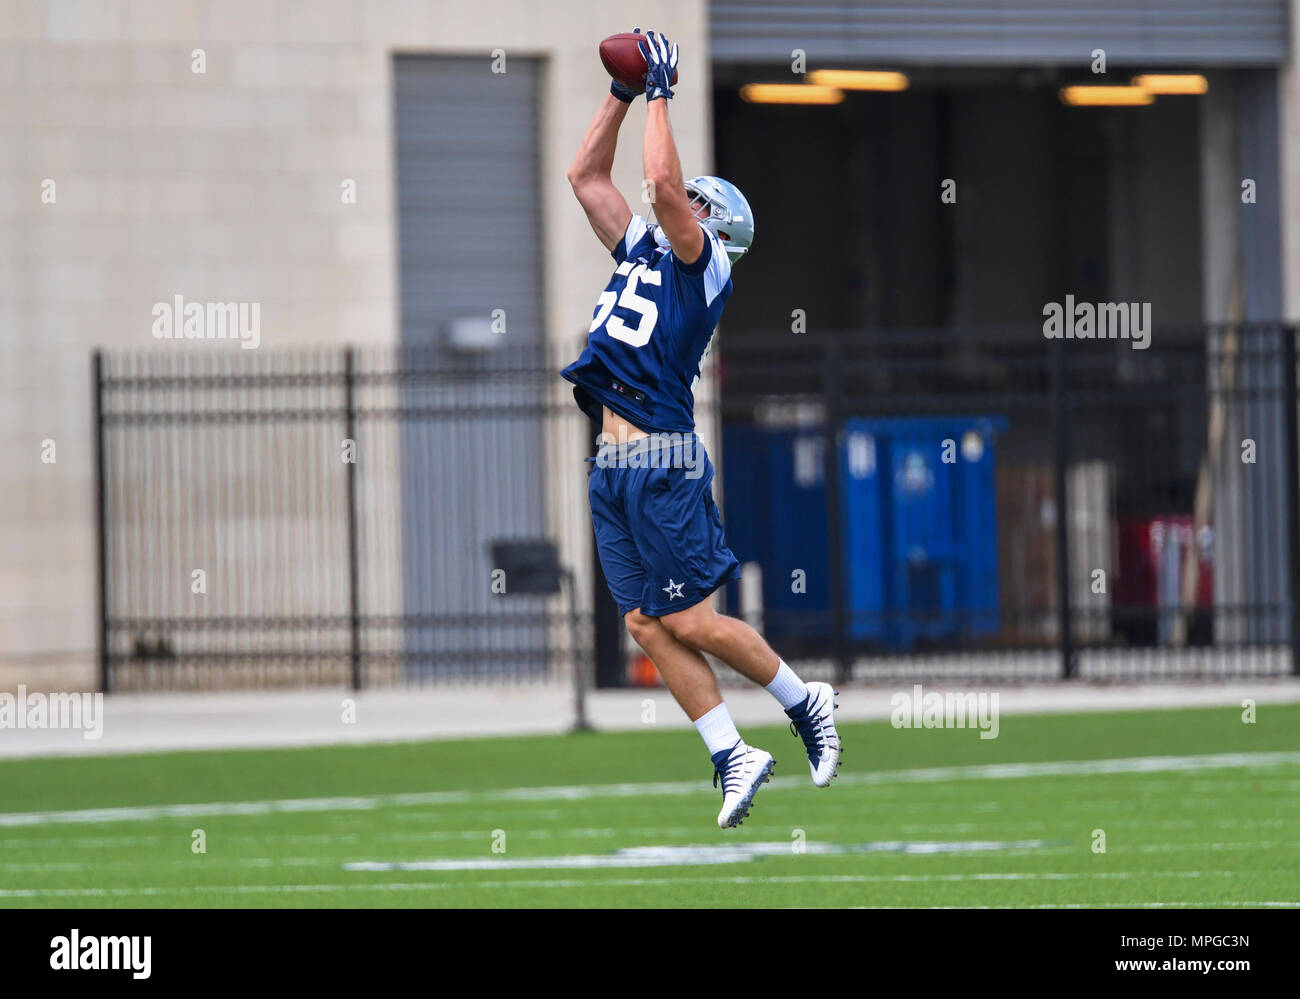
point(624, 61)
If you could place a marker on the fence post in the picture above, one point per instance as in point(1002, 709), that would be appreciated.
point(1060, 418)
point(101, 518)
point(354, 589)
point(1291, 461)
point(831, 473)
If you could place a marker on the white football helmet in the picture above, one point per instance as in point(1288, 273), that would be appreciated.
point(729, 216)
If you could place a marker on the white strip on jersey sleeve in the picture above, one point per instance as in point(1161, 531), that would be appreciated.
point(636, 228)
point(718, 272)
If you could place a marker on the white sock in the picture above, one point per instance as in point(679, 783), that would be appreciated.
point(717, 729)
point(787, 687)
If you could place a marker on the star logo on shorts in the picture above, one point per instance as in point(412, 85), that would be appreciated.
point(674, 590)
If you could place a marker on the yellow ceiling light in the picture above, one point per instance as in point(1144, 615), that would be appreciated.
point(1106, 96)
point(790, 93)
point(1172, 83)
point(858, 79)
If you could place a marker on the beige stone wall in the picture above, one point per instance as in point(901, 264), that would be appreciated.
point(225, 186)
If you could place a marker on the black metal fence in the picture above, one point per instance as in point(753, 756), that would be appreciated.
point(994, 504)
point(324, 517)
point(959, 504)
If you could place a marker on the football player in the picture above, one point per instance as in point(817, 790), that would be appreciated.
point(658, 531)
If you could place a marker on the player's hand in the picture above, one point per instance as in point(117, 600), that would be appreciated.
point(661, 63)
point(624, 93)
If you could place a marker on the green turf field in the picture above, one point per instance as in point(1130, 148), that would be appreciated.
point(1197, 807)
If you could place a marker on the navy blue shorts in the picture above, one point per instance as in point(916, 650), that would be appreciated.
point(658, 531)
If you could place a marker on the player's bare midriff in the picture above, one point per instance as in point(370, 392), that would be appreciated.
point(615, 428)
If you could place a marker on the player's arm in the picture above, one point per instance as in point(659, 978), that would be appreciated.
point(663, 167)
point(606, 208)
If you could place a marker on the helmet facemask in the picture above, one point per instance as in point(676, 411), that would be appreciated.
point(718, 216)
point(735, 231)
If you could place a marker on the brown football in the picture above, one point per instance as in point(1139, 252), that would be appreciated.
point(624, 61)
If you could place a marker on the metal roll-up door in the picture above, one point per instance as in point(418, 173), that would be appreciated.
point(988, 32)
point(467, 191)
point(469, 219)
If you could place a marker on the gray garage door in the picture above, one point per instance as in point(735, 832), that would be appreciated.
point(470, 236)
point(989, 32)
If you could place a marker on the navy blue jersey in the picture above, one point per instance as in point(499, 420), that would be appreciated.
point(650, 332)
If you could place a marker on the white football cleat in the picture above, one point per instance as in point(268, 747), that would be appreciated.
point(814, 722)
point(742, 769)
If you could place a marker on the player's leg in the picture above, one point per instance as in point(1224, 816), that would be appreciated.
point(810, 706)
point(678, 531)
point(680, 536)
point(740, 768)
point(731, 640)
point(686, 673)
point(739, 646)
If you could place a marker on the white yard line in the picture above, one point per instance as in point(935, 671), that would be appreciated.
point(1006, 850)
point(689, 855)
point(583, 792)
point(1037, 849)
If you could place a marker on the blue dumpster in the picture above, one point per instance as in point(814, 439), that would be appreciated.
point(918, 526)
point(774, 508)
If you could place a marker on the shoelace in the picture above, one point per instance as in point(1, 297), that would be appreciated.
point(729, 772)
point(807, 728)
